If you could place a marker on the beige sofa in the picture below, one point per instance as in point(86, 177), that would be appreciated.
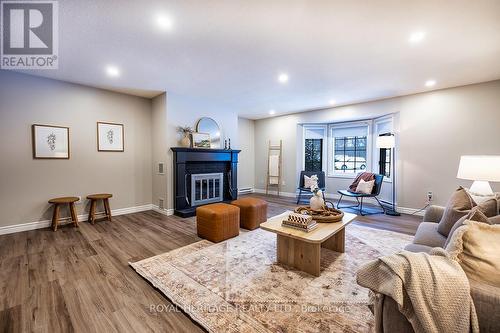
point(486, 297)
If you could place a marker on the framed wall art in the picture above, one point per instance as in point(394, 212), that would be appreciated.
point(50, 142)
point(201, 140)
point(110, 137)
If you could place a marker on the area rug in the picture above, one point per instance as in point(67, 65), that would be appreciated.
point(237, 286)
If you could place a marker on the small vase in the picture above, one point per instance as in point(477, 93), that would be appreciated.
point(185, 141)
point(316, 202)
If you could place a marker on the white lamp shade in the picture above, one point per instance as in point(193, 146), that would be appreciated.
point(480, 167)
point(386, 141)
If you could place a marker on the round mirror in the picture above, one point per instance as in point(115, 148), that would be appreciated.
point(210, 126)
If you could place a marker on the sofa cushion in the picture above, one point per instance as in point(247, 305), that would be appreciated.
point(418, 248)
point(459, 205)
point(476, 247)
point(392, 319)
point(427, 234)
point(487, 302)
point(433, 214)
point(475, 214)
point(494, 219)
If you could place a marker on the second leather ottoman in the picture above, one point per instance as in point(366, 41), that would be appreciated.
point(253, 212)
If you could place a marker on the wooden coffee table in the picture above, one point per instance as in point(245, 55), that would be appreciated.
point(301, 249)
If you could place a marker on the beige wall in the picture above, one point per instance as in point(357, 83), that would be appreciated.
point(246, 165)
point(186, 111)
point(434, 129)
point(26, 184)
point(159, 147)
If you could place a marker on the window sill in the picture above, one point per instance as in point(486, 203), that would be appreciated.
point(386, 180)
point(342, 176)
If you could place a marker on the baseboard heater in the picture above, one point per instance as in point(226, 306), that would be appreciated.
point(245, 190)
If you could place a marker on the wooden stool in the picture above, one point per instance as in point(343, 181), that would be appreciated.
point(93, 202)
point(62, 201)
point(218, 222)
point(253, 212)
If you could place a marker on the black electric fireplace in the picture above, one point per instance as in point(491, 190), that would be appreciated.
point(203, 176)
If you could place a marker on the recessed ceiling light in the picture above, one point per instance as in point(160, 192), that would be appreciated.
point(283, 78)
point(271, 112)
point(430, 83)
point(112, 71)
point(416, 37)
point(332, 102)
point(164, 22)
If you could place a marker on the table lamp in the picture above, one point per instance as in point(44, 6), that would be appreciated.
point(482, 169)
point(389, 142)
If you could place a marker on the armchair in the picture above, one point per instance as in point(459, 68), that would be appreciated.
point(360, 196)
point(302, 188)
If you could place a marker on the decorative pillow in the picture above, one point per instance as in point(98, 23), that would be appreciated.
point(475, 214)
point(366, 176)
point(476, 247)
point(480, 198)
point(310, 181)
point(458, 206)
point(365, 187)
point(489, 207)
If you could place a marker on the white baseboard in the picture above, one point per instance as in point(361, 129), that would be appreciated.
point(10, 229)
point(411, 211)
point(164, 211)
point(284, 194)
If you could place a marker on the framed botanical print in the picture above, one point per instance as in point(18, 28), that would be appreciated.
point(50, 142)
point(201, 140)
point(110, 137)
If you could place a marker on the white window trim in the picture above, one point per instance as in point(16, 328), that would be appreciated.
point(325, 144)
point(368, 123)
point(376, 123)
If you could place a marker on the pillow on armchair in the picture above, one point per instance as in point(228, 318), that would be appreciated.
point(310, 181)
point(365, 187)
point(366, 176)
point(458, 206)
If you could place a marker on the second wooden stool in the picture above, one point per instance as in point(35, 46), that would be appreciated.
point(57, 202)
point(93, 202)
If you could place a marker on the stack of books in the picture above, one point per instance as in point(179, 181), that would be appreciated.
point(300, 222)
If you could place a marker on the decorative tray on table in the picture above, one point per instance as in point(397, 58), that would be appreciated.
point(325, 215)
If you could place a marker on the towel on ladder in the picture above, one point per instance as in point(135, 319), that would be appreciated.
point(274, 171)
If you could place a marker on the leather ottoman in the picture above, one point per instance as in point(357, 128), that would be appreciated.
point(218, 222)
point(253, 212)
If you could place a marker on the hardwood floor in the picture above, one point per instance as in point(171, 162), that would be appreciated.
point(79, 279)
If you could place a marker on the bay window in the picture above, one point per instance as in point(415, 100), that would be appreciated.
point(346, 149)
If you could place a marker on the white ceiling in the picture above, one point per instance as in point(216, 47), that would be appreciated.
point(231, 51)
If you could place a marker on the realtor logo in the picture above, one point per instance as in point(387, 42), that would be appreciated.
point(29, 34)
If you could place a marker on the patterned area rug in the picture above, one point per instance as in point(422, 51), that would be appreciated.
point(237, 286)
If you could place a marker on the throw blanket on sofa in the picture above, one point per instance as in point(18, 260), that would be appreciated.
point(432, 291)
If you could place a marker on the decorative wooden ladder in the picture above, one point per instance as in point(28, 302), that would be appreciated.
point(273, 173)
